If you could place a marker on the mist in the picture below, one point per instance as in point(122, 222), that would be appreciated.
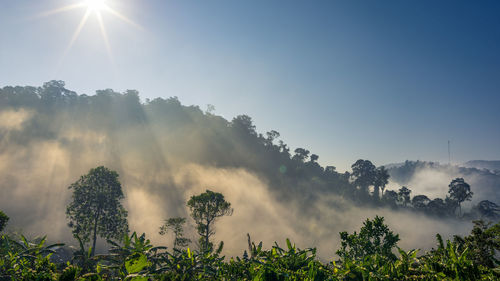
point(432, 179)
point(165, 153)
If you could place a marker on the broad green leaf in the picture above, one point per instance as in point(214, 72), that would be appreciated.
point(136, 264)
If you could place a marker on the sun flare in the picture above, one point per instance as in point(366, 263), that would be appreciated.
point(92, 7)
point(95, 5)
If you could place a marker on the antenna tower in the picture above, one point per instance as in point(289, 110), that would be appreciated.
point(449, 154)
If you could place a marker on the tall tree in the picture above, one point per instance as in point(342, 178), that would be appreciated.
point(459, 192)
point(404, 195)
point(95, 208)
point(363, 172)
point(301, 154)
point(205, 209)
point(176, 225)
point(380, 181)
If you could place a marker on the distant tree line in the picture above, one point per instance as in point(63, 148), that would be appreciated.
point(292, 174)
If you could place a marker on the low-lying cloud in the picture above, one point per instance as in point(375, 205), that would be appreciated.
point(158, 180)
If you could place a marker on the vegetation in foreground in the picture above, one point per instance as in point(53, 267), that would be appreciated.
point(367, 255)
point(371, 254)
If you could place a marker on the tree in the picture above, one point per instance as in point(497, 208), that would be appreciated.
point(390, 197)
point(95, 208)
point(3, 220)
point(404, 195)
point(271, 136)
point(380, 181)
point(487, 209)
point(459, 192)
point(482, 243)
point(314, 157)
point(437, 207)
point(374, 238)
point(301, 154)
point(244, 124)
point(205, 209)
point(420, 202)
point(176, 225)
point(364, 173)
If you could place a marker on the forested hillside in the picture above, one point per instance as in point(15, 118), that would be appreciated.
point(165, 152)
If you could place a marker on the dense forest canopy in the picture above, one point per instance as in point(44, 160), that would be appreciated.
point(165, 152)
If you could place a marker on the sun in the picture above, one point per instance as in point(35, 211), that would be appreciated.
point(91, 7)
point(96, 5)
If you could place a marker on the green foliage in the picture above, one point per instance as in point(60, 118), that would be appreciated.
point(205, 209)
point(135, 255)
point(137, 259)
point(374, 238)
point(27, 260)
point(95, 208)
point(482, 243)
point(3, 220)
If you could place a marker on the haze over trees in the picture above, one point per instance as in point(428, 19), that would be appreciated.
point(158, 146)
point(95, 209)
point(159, 135)
point(176, 225)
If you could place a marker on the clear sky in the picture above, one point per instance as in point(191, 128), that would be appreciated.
point(379, 80)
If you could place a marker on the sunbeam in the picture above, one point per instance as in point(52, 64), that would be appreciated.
point(62, 9)
point(76, 33)
point(96, 7)
point(122, 17)
point(105, 37)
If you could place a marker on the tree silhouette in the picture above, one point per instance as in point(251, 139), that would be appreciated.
point(459, 192)
point(488, 209)
point(314, 157)
point(380, 181)
point(390, 198)
point(364, 174)
point(437, 207)
point(95, 208)
point(420, 202)
point(244, 124)
point(176, 225)
point(404, 195)
point(301, 154)
point(205, 209)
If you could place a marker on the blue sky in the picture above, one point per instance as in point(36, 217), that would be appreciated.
point(379, 80)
